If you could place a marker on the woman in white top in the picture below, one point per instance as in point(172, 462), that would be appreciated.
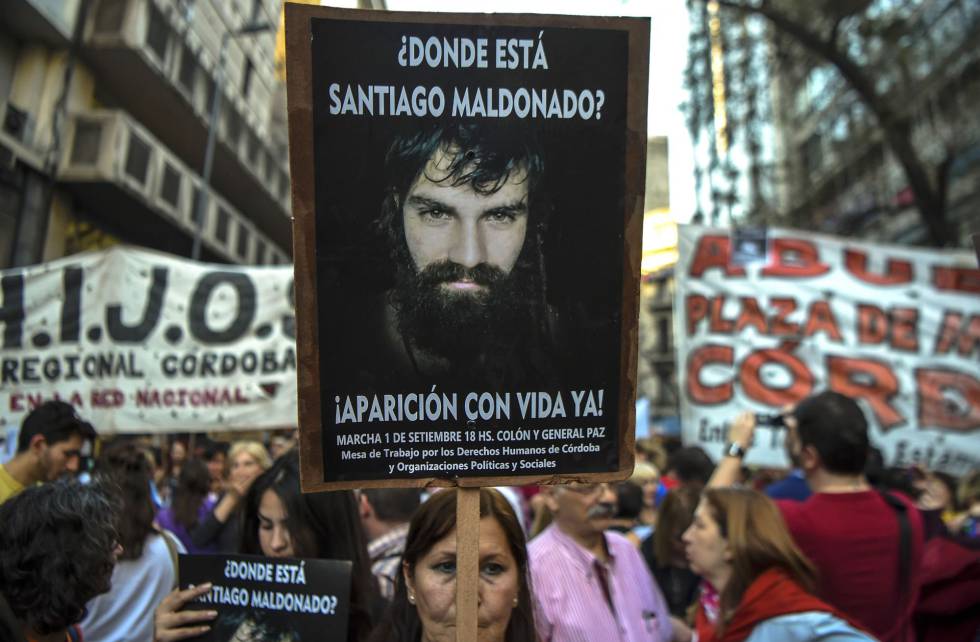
point(146, 570)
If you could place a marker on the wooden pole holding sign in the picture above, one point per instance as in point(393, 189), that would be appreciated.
point(467, 562)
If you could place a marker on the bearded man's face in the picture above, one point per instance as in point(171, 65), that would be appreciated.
point(462, 284)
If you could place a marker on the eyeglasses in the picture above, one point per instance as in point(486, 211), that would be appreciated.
point(587, 489)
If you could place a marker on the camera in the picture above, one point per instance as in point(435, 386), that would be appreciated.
point(774, 420)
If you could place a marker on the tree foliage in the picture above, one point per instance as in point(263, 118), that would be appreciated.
point(877, 60)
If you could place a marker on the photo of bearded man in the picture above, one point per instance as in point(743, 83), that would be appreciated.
point(464, 219)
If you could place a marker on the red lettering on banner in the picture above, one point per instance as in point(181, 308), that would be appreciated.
point(17, 402)
point(899, 326)
point(966, 339)
point(182, 397)
point(111, 398)
point(870, 380)
point(898, 271)
point(905, 329)
point(714, 251)
point(719, 324)
point(696, 308)
point(703, 356)
point(820, 318)
point(754, 388)
point(778, 326)
point(958, 279)
point(795, 258)
point(937, 410)
point(751, 315)
point(872, 324)
point(27, 401)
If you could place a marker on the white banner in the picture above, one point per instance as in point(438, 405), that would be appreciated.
point(796, 313)
point(141, 341)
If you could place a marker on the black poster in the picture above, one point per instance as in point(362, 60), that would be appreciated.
point(291, 600)
point(470, 200)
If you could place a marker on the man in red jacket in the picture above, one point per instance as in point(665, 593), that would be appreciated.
point(850, 531)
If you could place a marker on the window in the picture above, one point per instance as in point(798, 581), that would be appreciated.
point(665, 388)
point(247, 77)
point(663, 335)
point(88, 138)
point(270, 168)
point(109, 18)
point(195, 200)
point(137, 158)
point(283, 185)
point(253, 150)
point(188, 69)
point(222, 225)
point(170, 186)
point(209, 94)
point(233, 126)
point(259, 252)
point(244, 236)
point(157, 33)
point(16, 122)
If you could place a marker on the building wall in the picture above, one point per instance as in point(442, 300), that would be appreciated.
point(118, 149)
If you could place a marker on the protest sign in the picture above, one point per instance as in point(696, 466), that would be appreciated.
point(467, 193)
point(140, 341)
point(897, 328)
point(270, 598)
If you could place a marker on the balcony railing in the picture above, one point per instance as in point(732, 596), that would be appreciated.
point(110, 147)
point(166, 47)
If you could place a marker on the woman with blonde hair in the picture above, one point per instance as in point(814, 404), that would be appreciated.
point(222, 526)
point(759, 583)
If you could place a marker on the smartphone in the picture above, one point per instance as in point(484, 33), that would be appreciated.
point(774, 420)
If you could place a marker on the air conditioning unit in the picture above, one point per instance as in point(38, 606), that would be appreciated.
point(18, 123)
point(8, 160)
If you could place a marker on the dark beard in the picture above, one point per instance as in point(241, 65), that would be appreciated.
point(463, 327)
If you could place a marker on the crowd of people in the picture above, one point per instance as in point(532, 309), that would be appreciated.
point(841, 549)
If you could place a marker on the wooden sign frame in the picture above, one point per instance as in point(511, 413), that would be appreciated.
point(300, 90)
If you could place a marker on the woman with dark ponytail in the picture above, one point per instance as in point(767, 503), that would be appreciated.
point(190, 505)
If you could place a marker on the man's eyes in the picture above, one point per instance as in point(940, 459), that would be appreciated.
point(497, 218)
point(435, 215)
point(500, 217)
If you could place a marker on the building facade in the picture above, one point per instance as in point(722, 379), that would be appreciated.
point(656, 378)
point(106, 108)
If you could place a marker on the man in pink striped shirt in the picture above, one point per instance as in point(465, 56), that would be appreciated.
point(591, 585)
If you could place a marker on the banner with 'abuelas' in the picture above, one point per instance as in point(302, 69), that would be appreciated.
point(896, 328)
point(140, 341)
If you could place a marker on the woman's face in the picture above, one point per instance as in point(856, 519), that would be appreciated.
point(178, 452)
point(244, 467)
point(706, 549)
point(216, 468)
point(650, 492)
point(274, 537)
point(434, 586)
